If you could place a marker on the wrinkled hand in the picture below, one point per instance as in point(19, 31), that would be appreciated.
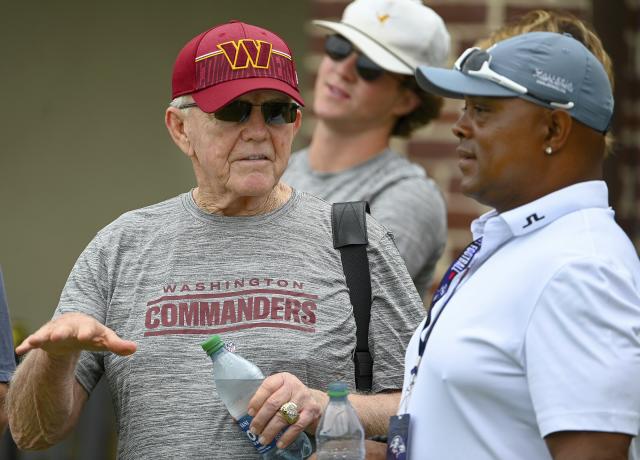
point(276, 390)
point(73, 332)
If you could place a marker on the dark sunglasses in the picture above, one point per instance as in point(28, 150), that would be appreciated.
point(339, 48)
point(274, 113)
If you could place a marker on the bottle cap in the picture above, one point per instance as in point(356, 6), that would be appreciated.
point(338, 390)
point(212, 344)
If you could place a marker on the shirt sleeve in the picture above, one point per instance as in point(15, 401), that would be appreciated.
point(582, 350)
point(414, 211)
point(396, 311)
point(87, 291)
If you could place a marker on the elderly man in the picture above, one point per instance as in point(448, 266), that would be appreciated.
point(365, 93)
point(242, 254)
point(532, 347)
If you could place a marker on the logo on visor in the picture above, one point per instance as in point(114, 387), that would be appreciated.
point(553, 81)
point(247, 52)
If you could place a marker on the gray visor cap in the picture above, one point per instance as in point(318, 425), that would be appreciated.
point(553, 67)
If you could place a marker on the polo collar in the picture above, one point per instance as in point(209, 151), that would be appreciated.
point(541, 212)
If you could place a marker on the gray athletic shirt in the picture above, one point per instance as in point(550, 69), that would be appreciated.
point(169, 275)
point(401, 196)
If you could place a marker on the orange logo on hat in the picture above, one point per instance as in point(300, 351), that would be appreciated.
point(383, 18)
point(247, 52)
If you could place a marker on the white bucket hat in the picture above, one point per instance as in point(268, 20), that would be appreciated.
point(398, 35)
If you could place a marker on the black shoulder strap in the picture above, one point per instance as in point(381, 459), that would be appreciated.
point(349, 226)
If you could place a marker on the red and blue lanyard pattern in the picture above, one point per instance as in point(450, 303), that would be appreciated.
point(457, 268)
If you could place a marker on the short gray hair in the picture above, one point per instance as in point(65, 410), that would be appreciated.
point(180, 101)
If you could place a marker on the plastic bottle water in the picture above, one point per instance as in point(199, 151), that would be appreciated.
point(340, 435)
point(237, 380)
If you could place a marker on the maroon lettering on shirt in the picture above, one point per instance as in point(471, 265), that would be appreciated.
point(207, 307)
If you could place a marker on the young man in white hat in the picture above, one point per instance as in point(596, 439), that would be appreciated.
point(365, 92)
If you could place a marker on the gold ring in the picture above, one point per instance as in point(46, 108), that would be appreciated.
point(289, 412)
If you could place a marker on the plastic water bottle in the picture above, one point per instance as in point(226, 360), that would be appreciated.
point(340, 435)
point(237, 380)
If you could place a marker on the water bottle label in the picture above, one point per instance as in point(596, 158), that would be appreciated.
point(244, 424)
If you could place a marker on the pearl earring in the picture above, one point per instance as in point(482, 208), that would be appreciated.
point(548, 150)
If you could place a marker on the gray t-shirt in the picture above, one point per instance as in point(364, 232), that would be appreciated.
point(169, 275)
point(401, 196)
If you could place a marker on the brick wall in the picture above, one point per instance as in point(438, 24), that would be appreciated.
point(619, 28)
point(469, 20)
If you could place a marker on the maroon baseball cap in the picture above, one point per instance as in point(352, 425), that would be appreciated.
point(230, 60)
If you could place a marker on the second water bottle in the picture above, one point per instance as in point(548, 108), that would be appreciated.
point(340, 435)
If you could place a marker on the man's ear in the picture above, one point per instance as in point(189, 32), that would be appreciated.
point(559, 126)
point(174, 119)
point(298, 122)
point(407, 102)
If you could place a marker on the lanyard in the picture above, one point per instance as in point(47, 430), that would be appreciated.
point(458, 269)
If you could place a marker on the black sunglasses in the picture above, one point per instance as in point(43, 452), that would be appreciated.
point(274, 113)
point(338, 48)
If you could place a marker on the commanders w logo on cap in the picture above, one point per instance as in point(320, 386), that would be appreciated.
point(230, 60)
point(242, 53)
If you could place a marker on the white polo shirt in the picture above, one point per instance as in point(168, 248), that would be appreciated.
point(541, 335)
